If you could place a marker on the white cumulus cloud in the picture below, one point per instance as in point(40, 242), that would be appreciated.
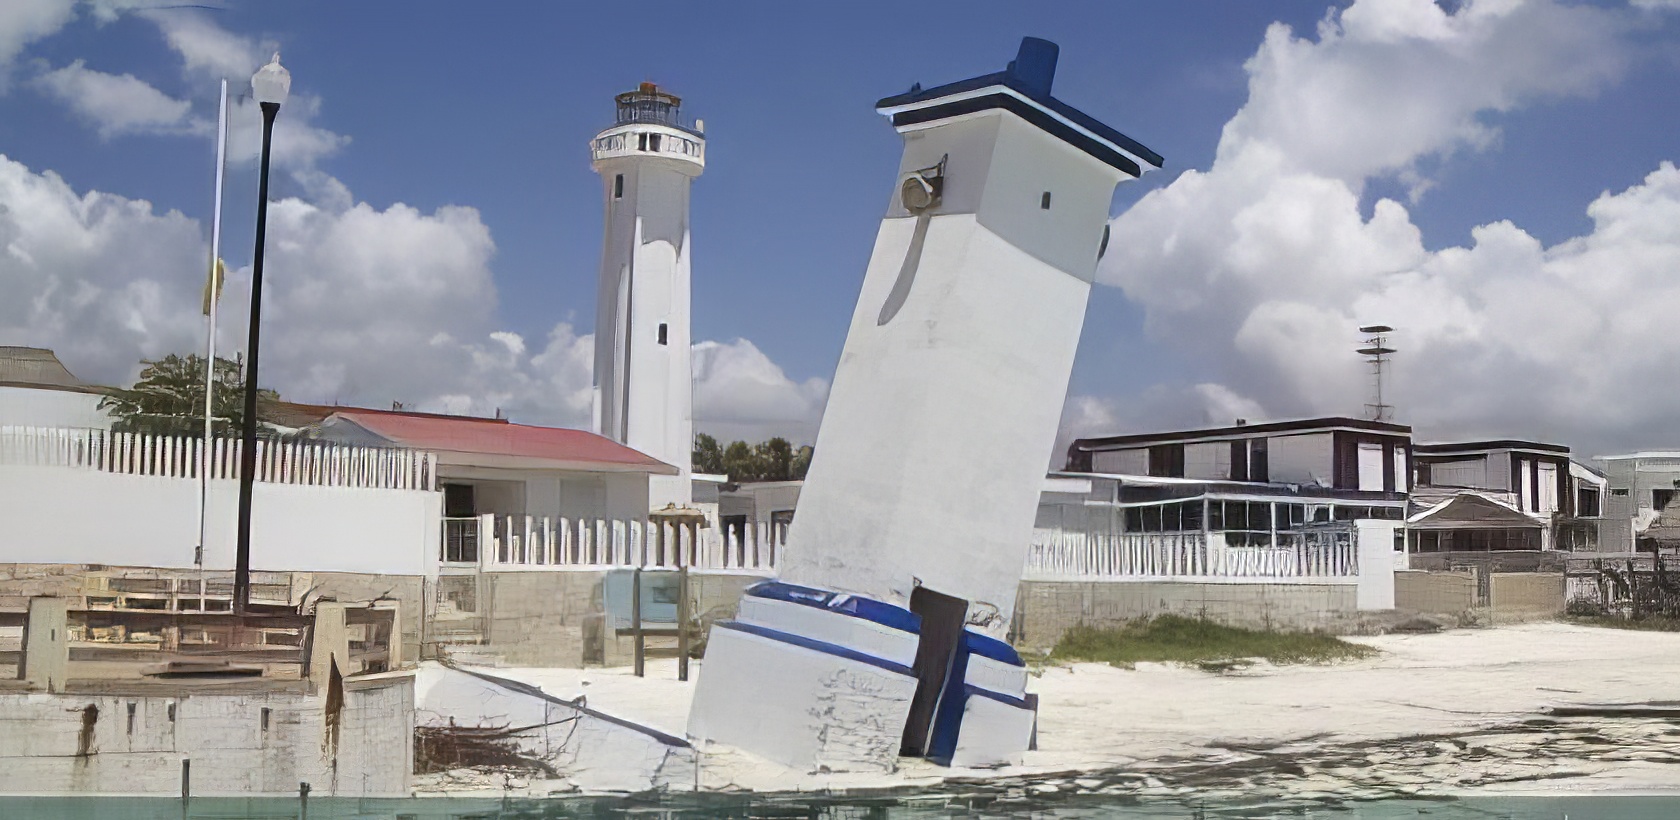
point(739, 393)
point(23, 22)
point(1262, 266)
point(362, 305)
point(118, 104)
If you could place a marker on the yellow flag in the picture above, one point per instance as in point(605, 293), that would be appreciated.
point(213, 285)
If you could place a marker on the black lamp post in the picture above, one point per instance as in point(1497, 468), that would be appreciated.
point(269, 85)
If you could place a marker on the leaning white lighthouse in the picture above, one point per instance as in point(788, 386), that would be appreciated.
point(643, 383)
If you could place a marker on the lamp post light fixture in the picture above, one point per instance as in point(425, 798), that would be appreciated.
point(269, 86)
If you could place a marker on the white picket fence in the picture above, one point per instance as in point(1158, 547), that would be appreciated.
point(310, 463)
point(1061, 555)
point(522, 542)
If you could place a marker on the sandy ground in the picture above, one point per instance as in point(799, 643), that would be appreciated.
point(1460, 712)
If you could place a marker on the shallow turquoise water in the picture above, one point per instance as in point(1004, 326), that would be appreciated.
point(897, 807)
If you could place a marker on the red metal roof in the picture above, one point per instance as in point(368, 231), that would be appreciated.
point(498, 437)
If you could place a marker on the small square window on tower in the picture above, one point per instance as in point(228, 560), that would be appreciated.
point(1044, 201)
point(618, 186)
point(662, 329)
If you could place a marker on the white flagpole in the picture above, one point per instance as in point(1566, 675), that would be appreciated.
point(210, 343)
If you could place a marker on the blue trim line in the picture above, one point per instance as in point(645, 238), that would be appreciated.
point(1019, 703)
point(868, 609)
point(1034, 116)
point(818, 646)
point(987, 647)
point(1031, 75)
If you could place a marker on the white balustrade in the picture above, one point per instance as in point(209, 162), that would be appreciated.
point(311, 463)
point(526, 542)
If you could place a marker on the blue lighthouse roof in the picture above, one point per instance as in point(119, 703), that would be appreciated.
point(1029, 76)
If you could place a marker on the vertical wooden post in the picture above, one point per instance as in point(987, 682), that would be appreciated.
point(636, 616)
point(683, 602)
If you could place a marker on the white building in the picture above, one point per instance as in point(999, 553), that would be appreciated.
point(644, 391)
point(526, 478)
point(1640, 487)
point(37, 391)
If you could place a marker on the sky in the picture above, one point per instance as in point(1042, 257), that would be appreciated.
point(1495, 179)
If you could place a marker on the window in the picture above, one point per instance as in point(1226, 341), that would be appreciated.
point(618, 186)
point(1619, 492)
point(1166, 461)
point(1176, 517)
point(653, 142)
point(1239, 461)
point(1258, 470)
point(662, 333)
point(1586, 502)
point(1660, 499)
point(265, 713)
point(132, 706)
point(641, 142)
point(1370, 458)
point(1044, 201)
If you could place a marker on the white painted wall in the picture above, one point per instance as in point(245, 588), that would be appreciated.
point(944, 412)
point(1376, 563)
point(1209, 460)
point(1304, 459)
point(32, 407)
point(74, 516)
point(1121, 462)
point(1469, 472)
point(644, 387)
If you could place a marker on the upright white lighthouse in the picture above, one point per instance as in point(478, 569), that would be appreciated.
point(643, 377)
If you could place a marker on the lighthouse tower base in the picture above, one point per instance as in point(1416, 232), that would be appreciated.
point(822, 681)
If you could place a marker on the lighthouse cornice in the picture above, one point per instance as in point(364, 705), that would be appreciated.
point(649, 141)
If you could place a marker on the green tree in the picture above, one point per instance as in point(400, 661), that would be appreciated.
point(771, 460)
point(775, 459)
point(708, 455)
point(740, 462)
point(168, 398)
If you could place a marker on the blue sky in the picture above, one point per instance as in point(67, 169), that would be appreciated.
point(490, 106)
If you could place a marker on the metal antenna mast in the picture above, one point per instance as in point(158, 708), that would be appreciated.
point(1376, 352)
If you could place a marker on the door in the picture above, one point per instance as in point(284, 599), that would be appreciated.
point(942, 627)
point(458, 501)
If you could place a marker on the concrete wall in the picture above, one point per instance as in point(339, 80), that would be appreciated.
point(1435, 592)
point(69, 515)
point(557, 618)
point(1525, 596)
point(88, 744)
point(538, 618)
point(1047, 609)
point(1511, 597)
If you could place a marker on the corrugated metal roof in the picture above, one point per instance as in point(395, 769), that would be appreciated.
point(38, 367)
point(495, 437)
point(1472, 510)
